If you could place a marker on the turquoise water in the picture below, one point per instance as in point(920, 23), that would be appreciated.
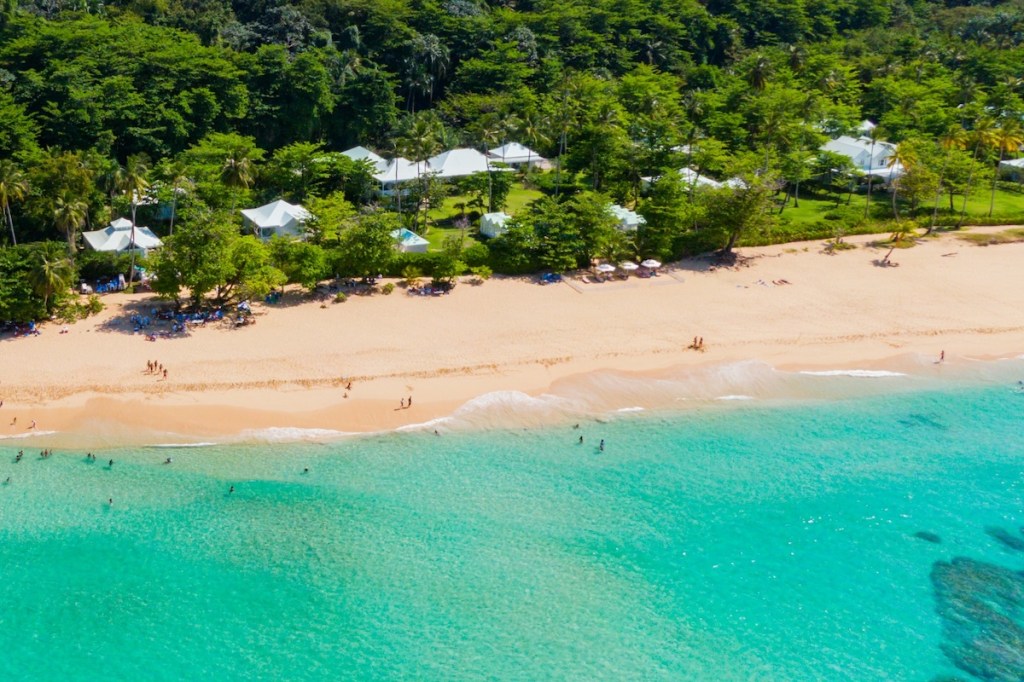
point(739, 542)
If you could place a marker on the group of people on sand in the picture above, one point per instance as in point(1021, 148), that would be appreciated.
point(406, 404)
point(154, 367)
point(698, 344)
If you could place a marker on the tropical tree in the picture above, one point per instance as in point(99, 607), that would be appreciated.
point(134, 184)
point(953, 138)
point(13, 187)
point(178, 177)
point(53, 274)
point(420, 141)
point(236, 173)
point(1008, 139)
point(69, 217)
point(983, 136)
point(902, 157)
point(532, 127)
point(874, 135)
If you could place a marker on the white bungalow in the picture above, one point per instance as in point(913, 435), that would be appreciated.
point(458, 163)
point(866, 155)
point(1012, 168)
point(364, 154)
point(277, 218)
point(515, 154)
point(629, 221)
point(409, 242)
point(117, 237)
point(493, 224)
point(400, 170)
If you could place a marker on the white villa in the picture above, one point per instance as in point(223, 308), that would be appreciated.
point(866, 155)
point(277, 218)
point(117, 237)
point(364, 154)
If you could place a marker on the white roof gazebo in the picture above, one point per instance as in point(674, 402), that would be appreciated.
point(493, 224)
point(277, 218)
point(515, 154)
point(117, 237)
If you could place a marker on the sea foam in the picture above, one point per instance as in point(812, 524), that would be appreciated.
point(858, 373)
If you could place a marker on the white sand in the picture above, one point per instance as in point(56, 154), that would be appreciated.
point(289, 369)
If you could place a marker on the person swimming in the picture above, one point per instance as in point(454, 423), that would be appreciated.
point(601, 446)
point(231, 489)
point(167, 461)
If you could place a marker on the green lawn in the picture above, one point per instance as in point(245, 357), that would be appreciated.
point(443, 217)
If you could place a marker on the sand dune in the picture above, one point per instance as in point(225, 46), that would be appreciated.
point(291, 368)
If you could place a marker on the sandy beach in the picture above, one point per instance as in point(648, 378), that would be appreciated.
point(90, 386)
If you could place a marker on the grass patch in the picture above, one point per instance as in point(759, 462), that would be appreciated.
point(1005, 237)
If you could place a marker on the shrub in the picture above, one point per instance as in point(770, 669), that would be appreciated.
point(482, 272)
point(388, 288)
point(340, 297)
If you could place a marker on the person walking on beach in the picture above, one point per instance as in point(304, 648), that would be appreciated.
point(942, 356)
point(110, 464)
point(409, 404)
point(33, 425)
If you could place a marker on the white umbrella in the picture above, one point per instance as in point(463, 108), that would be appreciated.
point(605, 267)
point(628, 265)
point(651, 263)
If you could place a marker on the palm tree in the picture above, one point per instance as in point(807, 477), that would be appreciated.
point(69, 217)
point(1008, 139)
point(13, 187)
point(236, 173)
point(134, 183)
point(531, 127)
point(759, 73)
point(177, 172)
point(53, 273)
point(873, 135)
point(983, 136)
point(489, 134)
point(419, 142)
point(905, 159)
point(953, 138)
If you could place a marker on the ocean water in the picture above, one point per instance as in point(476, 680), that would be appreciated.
point(805, 537)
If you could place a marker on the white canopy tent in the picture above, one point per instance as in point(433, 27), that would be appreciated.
point(277, 218)
point(117, 237)
point(493, 224)
point(515, 154)
point(409, 242)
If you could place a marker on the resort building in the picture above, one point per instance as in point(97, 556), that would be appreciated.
point(277, 218)
point(517, 155)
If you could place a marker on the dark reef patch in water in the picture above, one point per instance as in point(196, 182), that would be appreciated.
point(982, 610)
point(1006, 538)
point(928, 536)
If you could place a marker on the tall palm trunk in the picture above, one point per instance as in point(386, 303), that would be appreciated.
point(10, 222)
point(967, 189)
point(995, 182)
point(938, 194)
point(131, 245)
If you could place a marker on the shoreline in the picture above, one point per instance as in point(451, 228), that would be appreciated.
point(290, 370)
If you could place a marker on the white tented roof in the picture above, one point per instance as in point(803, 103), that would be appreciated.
point(866, 127)
point(117, 236)
point(628, 220)
point(493, 224)
point(1012, 163)
point(513, 152)
point(399, 170)
point(457, 163)
point(364, 154)
point(690, 177)
point(276, 214)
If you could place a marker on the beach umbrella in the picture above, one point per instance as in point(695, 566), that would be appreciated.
point(628, 265)
point(605, 267)
point(651, 263)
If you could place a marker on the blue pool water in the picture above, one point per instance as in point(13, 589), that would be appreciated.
point(737, 540)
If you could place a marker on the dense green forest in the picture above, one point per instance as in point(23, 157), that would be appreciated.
point(176, 113)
